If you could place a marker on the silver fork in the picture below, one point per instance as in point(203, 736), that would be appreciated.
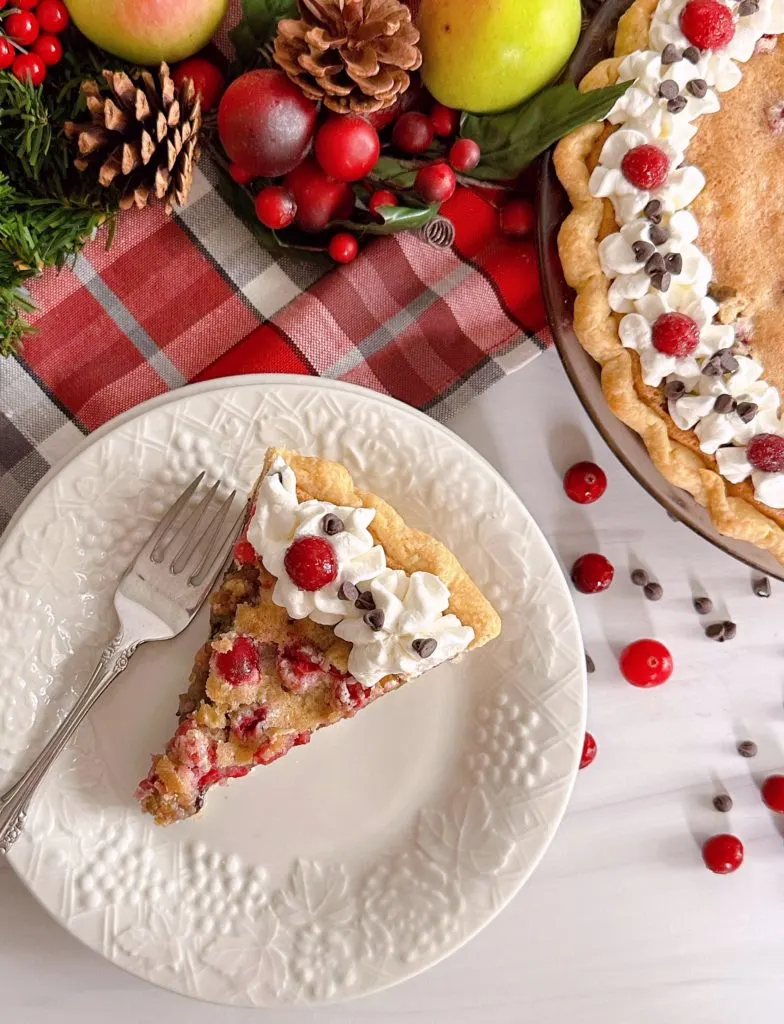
point(157, 597)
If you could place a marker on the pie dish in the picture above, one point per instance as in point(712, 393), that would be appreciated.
point(681, 247)
point(330, 602)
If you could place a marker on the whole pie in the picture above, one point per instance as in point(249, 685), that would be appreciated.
point(330, 602)
point(675, 248)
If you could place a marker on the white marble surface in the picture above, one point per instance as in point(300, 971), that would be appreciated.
point(621, 922)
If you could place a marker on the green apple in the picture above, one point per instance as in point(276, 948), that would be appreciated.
point(148, 31)
point(488, 55)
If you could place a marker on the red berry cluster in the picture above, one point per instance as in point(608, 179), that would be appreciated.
point(29, 41)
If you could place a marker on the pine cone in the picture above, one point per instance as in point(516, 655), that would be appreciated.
point(352, 54)
point(143, 136)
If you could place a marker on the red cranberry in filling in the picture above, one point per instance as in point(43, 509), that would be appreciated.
point(247, 724)
point(300, 667)
point(239, 666)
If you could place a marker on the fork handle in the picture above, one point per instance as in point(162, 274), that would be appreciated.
point(14, 803)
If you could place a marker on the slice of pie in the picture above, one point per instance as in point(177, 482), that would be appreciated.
point(330, 602)
point(675, 248)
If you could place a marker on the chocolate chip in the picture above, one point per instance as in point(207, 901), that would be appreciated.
point(365, 602)
point(747, 411)
point(655, 264)
point(653, 591)
point(727, 360)
point(703, 605)
point(748, 748)
point(730, 630)
point(724, 404)
point(673, 261)
point(761, 586)
point(692, 54)
point(348, 592)
point(374, 619)
point(716, 632)
point(668, 90)
point(661, 281)
point(424, 646)
point(697, 87)
point(671, 54)
point(640, 578)
point(658, 235)
point(332, 524)
point(747, 8)
point(674, 390)
point(642, 250)
point(677, 105)
point(653, 210)
point(590, 667)
point(723, 802)
point(713, 367)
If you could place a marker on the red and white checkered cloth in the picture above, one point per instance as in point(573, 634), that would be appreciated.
point(195, 297)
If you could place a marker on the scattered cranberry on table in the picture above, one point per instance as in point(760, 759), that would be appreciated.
point(646, 663)
point(646, 166)
point(464, 155)
point(444, 120)
point(723, 854)
point(773, 793)
point(343, 247)
point(518, 218)
point(585, 482)
point(383, 197)
point(412, 132)
point(436, 182)
point(592, 573)
point(347, 147)
point(589, 751)
point(276, 207)
point(208, 80)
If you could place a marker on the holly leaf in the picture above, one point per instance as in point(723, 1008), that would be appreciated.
point(511, 140)
point(396, 172)
point(258, 26)
point(394, 219)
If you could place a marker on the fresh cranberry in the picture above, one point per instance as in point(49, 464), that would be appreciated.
point(707, 24)
point(208, 80)
point(518, 218)
point(589, 751)
point(723, 854)
point(52, 16)
point(383, 197)
point(311, 563)
point(7, 54)
point(49, 49)
point(240, 665)
point(343, 247)
point(592, 573)
point(244, 552)
point(412, 133)
point(239, 174)
point(444, 120)
point(675, 334)
point(28, 67)
point(319, 199)
point(300, 667)
point(585, 482)
point(464, 155)
point(766, 452)
point(773, 793)
point(646, 166)
point(24, 5)
point(436, 183)
point(646, 663)
point(276, 207)
point(22, 27)
point(347, 147)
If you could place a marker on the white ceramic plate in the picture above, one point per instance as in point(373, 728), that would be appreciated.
point(352, 863)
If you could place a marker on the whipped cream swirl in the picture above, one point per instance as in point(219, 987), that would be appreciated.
point(673, 84)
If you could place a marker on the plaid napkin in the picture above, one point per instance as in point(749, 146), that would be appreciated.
point(194, 297)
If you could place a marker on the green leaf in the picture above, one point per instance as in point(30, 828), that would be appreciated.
point(259, 25)
point(395, 219)
point(397, 172)
point(511, 140)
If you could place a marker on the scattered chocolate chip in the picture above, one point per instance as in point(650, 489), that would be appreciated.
point(761, 586)
point(730, 630)
point(747, 411)
point(424, 646)
point(713, 367)
point(716, 632)
point(677, 105)
point(642, 250)
point(727, 359)
point(673, 261)
point(697, 87)
point(348, 592)
point(703, 605)
point(365, 602)
point(655, 264)
point(674, 390)
point(658, 235)
point(668, 90)
point(724, 404)
point(374, 619)
point(748, 748)
point(590, 667)
point(723, 802)
point(639, 577)
point(653, 211)
point(747, 8)
point(653, 591)
point(692, 54)
point(661, 281)
point(671, 54)
point(332, 524)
